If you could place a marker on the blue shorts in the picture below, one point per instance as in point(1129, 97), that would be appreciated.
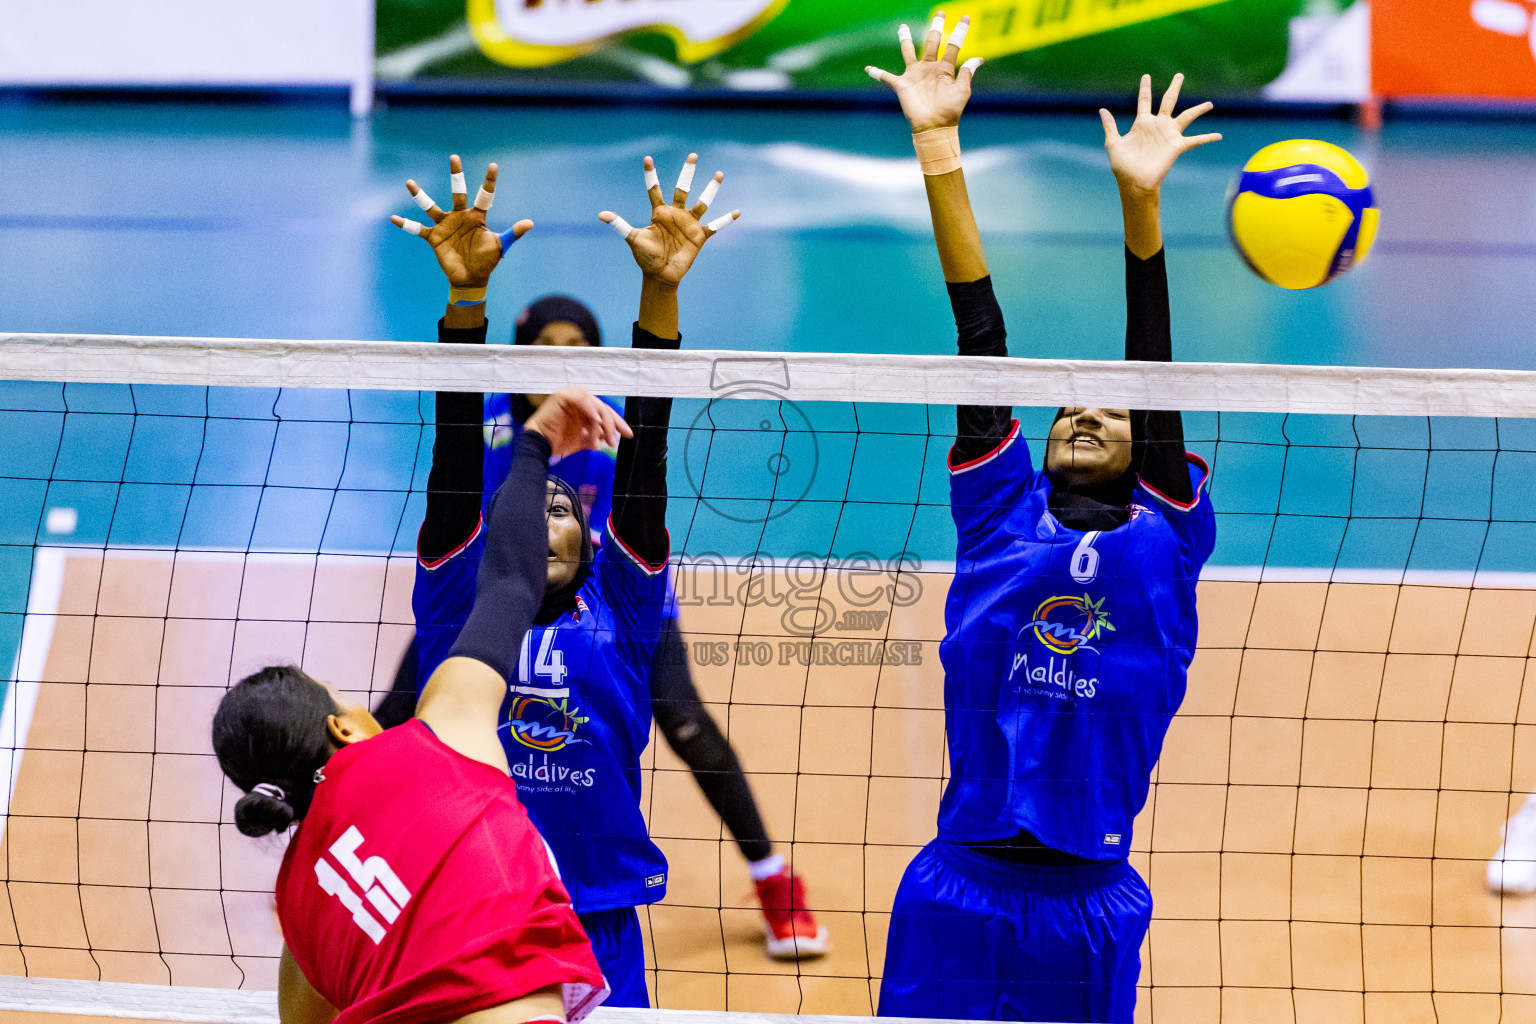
point(974, 937)
point(619, 945)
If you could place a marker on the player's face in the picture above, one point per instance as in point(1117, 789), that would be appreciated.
point(564, 539)
point(562, 334)
point(1089, 446)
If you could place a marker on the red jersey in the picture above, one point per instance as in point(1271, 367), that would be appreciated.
point(416, 890)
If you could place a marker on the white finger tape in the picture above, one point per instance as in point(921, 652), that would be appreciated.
point(651, 180)
point(875, 73)
point(459, 188)
point(621, 227)
point(483, 199)
point(414, 227)
point(904, 34)
point(423, 200)
point(716, 225)
point(685, 180)
point(938, 24)
point(971, 65)
point(710, 191)
point(957, 37)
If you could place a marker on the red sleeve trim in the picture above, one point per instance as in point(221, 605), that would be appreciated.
point(1004, 445)
point(1205, 475)
point(440, 562)
point(644, 566)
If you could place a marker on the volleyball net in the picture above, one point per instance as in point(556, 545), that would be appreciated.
point(175, 513)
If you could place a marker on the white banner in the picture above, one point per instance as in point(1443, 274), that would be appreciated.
point(180, 43)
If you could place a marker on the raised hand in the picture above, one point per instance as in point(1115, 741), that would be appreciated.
point(571, 420)
point(667, 247)
point(1142, 157)
point(932, 92)
point(465, 248)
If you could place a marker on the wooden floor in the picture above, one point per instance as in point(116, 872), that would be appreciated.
point(1315, 841)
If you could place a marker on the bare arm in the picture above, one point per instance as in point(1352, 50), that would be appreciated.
point(933, 95)
point(297, 1000)
point(467, 252)
point(664, 250)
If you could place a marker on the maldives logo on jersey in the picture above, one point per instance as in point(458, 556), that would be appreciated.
point(543, 724)
point(1068, 624)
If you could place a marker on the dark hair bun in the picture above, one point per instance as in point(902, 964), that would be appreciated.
point(257, 815)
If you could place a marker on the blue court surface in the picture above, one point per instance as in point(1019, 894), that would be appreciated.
point(270, 221)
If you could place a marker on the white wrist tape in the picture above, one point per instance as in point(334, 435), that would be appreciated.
point(651, 180)
point(457, 180)
point(716, 225)
point(685, 180)
point(957, 37)
point(414, 227)
point(710, 191)
point(621, 227)
point(423, 200)
point(904, 34)
point(483, 199)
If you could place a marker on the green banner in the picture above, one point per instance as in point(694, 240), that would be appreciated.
point(1032, 46)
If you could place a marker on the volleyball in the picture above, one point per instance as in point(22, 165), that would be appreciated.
point(1302, 213)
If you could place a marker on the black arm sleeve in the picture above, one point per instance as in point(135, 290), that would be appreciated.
point(510, 584)
point(640, 476)
point(979, 324)
point(1149, 337)
point(456, 482)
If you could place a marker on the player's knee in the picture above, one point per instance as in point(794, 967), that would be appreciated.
point(693, 736)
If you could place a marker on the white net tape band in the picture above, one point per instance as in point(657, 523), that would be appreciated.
point(801, 377)
point(234, 1006)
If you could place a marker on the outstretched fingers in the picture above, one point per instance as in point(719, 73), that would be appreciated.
point(513, 233)
point(714, 227)
point(968, 70)
point(1196, 141)
point(708, 195)
point(956, 40)
point(881, 76)
point(1111, 132)
point(426, 202)
point(456, 181)
point(487, 193)
point(1187, 118)
point(1144, 97)
point(935, 37)
point(652, 184)
point(685, 181)
point(620, 226)
point(410, 227)
point(908, 51)
point(1171, 97)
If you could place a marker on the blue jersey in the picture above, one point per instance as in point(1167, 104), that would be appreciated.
point(1065, 655)
point(589, 472)
point(576, 718)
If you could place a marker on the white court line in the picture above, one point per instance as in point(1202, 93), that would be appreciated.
point(31, 658)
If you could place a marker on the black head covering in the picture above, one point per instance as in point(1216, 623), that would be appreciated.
point(540, 313)
point(558, 602)
point(1104, 505)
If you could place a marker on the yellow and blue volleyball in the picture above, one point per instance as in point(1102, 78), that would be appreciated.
point(1301, 213)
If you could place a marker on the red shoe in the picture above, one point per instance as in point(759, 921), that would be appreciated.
point(793, 933)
